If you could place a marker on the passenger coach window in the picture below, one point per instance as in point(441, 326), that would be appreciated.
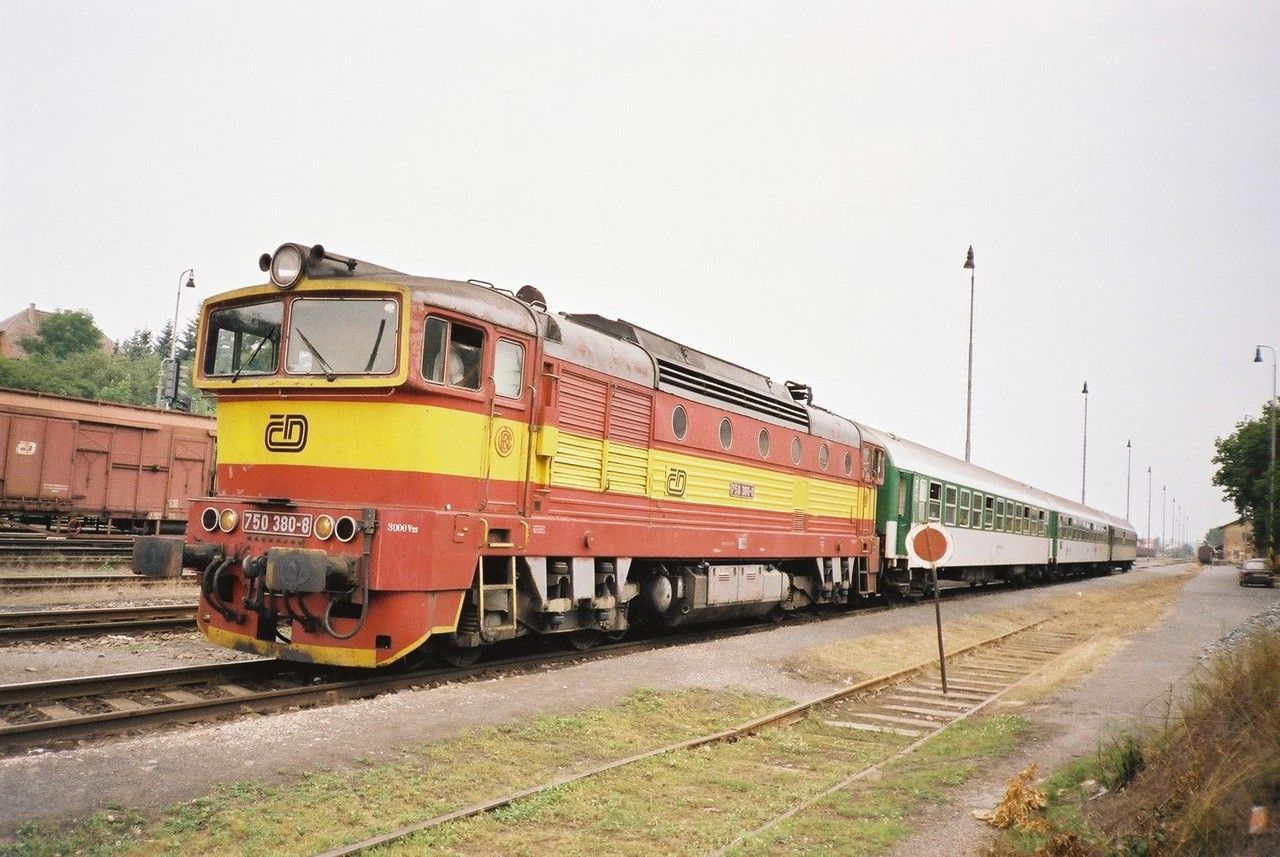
point(950, 517)
point(508, 368)
point(935, 500)
point(243, 340)
point(989, 514)
point(451, 353)
point(962, 514)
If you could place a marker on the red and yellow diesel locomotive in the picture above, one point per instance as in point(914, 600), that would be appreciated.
point(409, 464)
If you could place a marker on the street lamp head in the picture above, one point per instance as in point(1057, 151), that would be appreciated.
point(968, 261)
point(1257, 354)
point(1085, 388)
point(190, 283)
point(1128, 444)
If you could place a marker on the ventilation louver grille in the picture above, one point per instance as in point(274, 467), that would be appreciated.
point(684, 378)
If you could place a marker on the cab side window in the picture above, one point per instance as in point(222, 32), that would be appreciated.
point(508, 368)
point(451, 353)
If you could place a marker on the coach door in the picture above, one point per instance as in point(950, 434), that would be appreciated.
point(509, 403)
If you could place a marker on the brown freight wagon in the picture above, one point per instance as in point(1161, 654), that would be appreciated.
point(78, 462)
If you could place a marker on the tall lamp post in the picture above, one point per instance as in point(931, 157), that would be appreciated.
point(1271, 516)
point(1128, 476)
point(1084, 451)
point(1164, 512)
point(190, 277)
point(968, 395)
point(1149, 507)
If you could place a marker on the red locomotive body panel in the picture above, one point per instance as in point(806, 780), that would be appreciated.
point(76, 458)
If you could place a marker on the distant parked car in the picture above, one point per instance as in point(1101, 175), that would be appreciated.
point(1257, 570)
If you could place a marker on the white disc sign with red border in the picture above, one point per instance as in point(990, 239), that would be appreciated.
point(929, 545)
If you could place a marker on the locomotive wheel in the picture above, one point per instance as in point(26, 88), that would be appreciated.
point(583, 639)
point(460, 656)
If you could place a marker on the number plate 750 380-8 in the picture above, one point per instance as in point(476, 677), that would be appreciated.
point(277, 523)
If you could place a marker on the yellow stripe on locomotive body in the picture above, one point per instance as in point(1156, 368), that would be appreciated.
point(390, 437)
point(371, 435)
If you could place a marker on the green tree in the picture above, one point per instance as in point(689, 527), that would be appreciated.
point(137, 345)
point(62, 334)
point(164, 339)
point(1244, 474)
point(187, 341)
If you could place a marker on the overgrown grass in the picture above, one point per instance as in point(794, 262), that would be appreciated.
point(1186, 789)
point(323, 809)
point(688, 802)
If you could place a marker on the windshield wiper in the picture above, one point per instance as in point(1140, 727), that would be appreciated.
point(261, 342)
point(377, 341)
point(324, 364)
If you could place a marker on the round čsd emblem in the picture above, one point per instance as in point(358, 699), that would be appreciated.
point(504, 441)
point(929, 545)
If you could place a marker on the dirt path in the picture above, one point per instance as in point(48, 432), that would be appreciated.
point(1135, 688)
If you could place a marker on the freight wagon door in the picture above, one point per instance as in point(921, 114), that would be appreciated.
point(187, 474)
point(38, 459)
point(139, 472)
point(93, 449)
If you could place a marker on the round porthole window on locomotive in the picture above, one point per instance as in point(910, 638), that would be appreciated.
point(848, 464)
point(726, 433)
point(679, 422)
point(824, 455)
point(764, 443)
point(795, 450)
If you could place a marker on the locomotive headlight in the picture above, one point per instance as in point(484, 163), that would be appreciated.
point(209, 519)
point(323, 527)
point(287, 265)
point(227, 520)
point(345, 529)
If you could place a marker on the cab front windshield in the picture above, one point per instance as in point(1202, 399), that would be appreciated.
point(243, 340)
point(342, 336)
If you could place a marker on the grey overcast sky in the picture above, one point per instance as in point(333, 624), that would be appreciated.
point(791, 186)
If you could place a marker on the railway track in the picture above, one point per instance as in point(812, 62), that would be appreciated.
point(38, 624)
point(908, 702)
point(48, 548)
point(39, 713)
point(80, 581)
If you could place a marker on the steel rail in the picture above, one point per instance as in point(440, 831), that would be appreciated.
point(35, 624)
point(80, 581)
point(781, 717)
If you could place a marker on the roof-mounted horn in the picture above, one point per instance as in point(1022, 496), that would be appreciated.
point(800, 392)
point(533, 296)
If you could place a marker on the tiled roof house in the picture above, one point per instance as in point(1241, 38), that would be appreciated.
point(27, 323)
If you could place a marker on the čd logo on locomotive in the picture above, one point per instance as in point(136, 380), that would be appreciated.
point(286, 433)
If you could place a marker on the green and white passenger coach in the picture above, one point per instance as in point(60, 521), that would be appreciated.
point(1002, 529)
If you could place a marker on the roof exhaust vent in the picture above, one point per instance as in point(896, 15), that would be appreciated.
point(533, 296)
point(800, 392)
